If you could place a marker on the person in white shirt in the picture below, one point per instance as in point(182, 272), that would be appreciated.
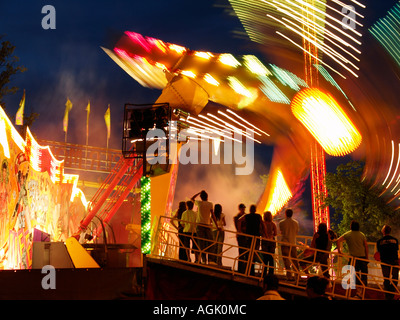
point(205, 213)
point(289, 229)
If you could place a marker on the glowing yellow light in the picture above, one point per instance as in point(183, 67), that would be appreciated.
point(188, 73)
point(236, 85)
point(139, 68)
point(35, 152)
point(176, 48)
point(158, 43)
point(160, 66)
point(78, 193)
point(280, 195)
point(326, 121)
point(3, 139)
point(255, 66)
point(228, 59)
point(204, 55)
point(209, 78)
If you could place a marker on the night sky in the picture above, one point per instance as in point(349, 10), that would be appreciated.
point(68, 63)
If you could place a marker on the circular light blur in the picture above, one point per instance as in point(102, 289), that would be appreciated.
point(326, 121)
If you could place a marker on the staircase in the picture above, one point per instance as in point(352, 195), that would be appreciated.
point(114, 190)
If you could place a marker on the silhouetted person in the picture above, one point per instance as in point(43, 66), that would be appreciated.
point(388, 247)
point(316, 287)
point(178, 215)
point(252, 225)
point(241, 240)
point(271, 286)
point(321, 240)
point(219, 234)
point(269, 246)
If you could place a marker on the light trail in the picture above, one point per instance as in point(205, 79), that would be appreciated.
point(308, 52)
point(230, 118)
point(244, 120)
point(391, 164)
point(281, 193)
point(330, 52)
point(395, 171)
point(341, 13)
point(189, 120)
point(239, 131)
point(343, 5)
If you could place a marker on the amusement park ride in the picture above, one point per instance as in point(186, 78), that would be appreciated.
point(223, 99)
point(240, 93)
point(214, 96)
point(191, 79)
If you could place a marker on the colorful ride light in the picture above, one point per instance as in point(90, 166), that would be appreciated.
point(280, 195)
point(326, 121)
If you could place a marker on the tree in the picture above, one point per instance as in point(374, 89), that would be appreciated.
point(28, 120)
point(353, 199)
point(8, 69)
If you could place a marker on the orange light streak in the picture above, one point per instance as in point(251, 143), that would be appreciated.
point(280, 195)
point(204, 55)
point(176, 48)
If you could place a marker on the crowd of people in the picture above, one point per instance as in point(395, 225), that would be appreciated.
point(203, 231)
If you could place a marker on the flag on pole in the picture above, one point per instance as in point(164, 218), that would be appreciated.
point(19, 118)
point(107, 119)
point(87, 122)
point(68, 107)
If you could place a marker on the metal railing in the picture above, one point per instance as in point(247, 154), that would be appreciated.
point(248, 260)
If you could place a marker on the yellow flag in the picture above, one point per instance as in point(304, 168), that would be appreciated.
point(68, 107)
point(88, 110)
point(87, 122)
point(19, 118)
point(107, 119)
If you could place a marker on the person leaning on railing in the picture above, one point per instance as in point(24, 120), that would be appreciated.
point(321, 241)
point(358, 248)
point(252, 224)
point(189, 218)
